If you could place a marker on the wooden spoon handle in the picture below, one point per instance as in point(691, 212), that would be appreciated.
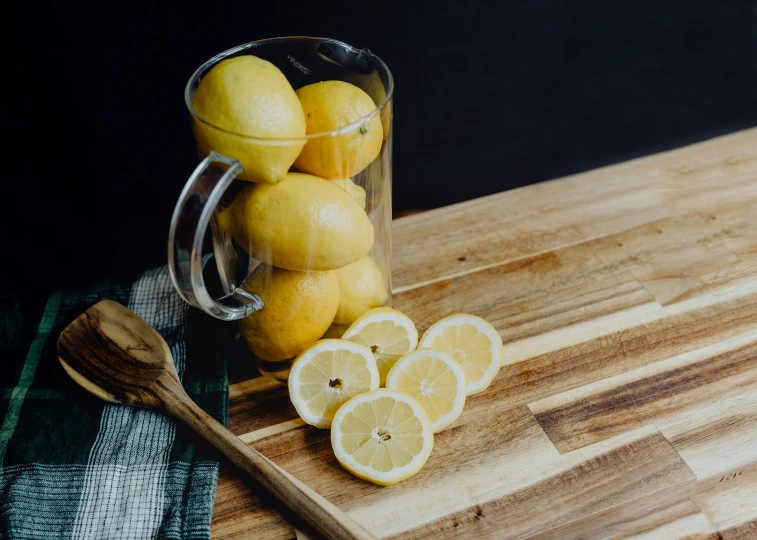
point(323, 516)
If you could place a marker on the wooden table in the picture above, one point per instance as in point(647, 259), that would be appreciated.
point(627, 404)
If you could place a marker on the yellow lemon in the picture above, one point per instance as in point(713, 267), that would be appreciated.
point(301, 223)
point(473, 342)
point(383, 436)
point(357, 192)
point(435, 380)
point(328, 374)
point(298, 309)
point(329, 106)
point(361, 287)
point(374, 87)
point(260, 118)
point(389, 333)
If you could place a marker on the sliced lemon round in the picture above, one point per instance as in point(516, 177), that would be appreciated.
point(473, 342)
point(327, 374)
point(435, 380)
point(383, 436)
point(387, 332)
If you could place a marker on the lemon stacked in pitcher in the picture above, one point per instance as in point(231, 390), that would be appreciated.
point(301, 215)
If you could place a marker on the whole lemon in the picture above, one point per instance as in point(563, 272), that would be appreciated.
point(374, 87)
point(249, 96)
point(298, 308)
point(357, 192)
point(301, 223)
point(331, 105)
point(361, 287)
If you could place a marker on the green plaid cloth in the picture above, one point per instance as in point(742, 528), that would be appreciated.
point(76, 467)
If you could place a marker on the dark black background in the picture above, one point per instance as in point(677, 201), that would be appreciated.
point(488, 97)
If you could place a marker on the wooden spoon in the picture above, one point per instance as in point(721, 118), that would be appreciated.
point(118, 357)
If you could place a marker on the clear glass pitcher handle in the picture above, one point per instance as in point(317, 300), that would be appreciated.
point(189, 224)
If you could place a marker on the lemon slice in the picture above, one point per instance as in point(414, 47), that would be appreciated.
point(326, 375)
point(387, 332)
point(473, 342)
point(383, 436)
point(435, 380)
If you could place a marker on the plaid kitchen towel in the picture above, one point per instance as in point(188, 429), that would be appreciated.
point(76, 467)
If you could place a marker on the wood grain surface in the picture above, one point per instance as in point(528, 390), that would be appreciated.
point(627, 403)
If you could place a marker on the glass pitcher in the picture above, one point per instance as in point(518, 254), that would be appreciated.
point(294, 189)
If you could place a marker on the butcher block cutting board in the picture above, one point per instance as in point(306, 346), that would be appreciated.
point(626, 406)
